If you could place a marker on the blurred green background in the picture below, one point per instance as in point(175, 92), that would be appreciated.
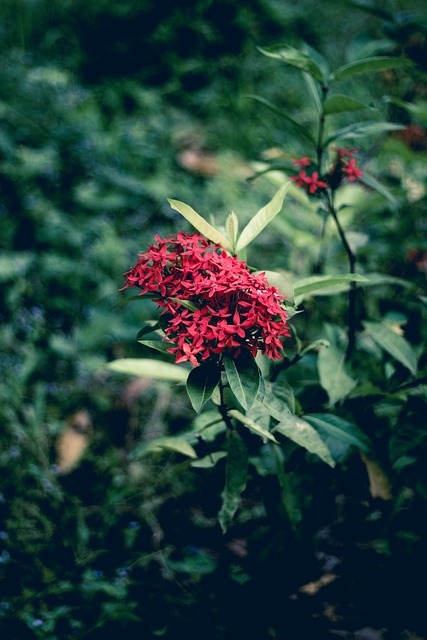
point(107, 108)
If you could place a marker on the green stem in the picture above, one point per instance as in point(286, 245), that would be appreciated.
point(222, 408)
point(352, 294)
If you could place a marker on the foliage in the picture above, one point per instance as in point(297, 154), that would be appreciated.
point(129, 503)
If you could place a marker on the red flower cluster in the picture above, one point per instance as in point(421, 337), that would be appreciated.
point(344, 167)
point(211, 302)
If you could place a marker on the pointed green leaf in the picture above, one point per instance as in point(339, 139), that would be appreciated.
point(147, 368)
point(314, 284)
point(235, 478)
point(369, 65)
point(284, 391)
point(278, 409)
point(252, 426)
point(232, 228)
point(303, 434)
point(296, 126)
point(397, 346)
point(361, 129)
point(158, 345)
point(332, 373)
point(185, 303)
point(382, 278)
point(372, 183)
point(199, 223)
point(178, 445)
point(295, 58)
point(313, 90)
point(338, 103)
point(141, 296)
point(201, 383)
point(321, 342)
point(337, 427)
point(419, 110)
point(149, 327)
point(294, 428)
point(243, 377)
point(209, 461)
point(262, 218)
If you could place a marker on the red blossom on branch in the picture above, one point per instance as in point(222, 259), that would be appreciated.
point(309, 183)
point(224, 308)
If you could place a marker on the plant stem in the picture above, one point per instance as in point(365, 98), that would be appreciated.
point(222, 408)
point(352, 294)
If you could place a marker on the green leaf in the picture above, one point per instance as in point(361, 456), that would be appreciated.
point(372, 183)
point(185, 303)
point(262, 218)
point(338, 103)
point(313, 90)
point(417, 110)
point(201, 383)
point(369, 65)
point(397, 346)
point(296, 126)
point(209, 461)
point(361, 129)
point(284, 391)
point(235, 478)
point(199, 223)
point(333, 377)
point(150, 326)
point(232, 228)
point(337, 427)
point(314, 284)
point(243, 377)
point(147, 368)
point(278, 409)
point(252, 426)
point(295, 58)
point(177, 445)
point(141, 296)
point(158, 345)
point(303, 434)
point(294, 428)
point(374, 279)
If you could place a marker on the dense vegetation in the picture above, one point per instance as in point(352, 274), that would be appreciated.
point(107, 109)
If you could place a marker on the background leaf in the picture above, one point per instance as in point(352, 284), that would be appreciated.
point(338, 103)
point(397, 346)
point(339, 428)
point(305, 435)
point(369, 65)
point(175, 444)
point(295, 58)
point(252, 425)
point(313, 284)
point(362, 129)
point(303, 132)
point(147, 368)
point(333, 376)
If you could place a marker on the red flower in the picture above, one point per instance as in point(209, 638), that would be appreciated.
point(301, 162)
point(211, 302)
point(309, 183)
point(349, 168)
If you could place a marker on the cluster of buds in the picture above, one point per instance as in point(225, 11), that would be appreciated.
point(344, 168)
point(211, 303)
